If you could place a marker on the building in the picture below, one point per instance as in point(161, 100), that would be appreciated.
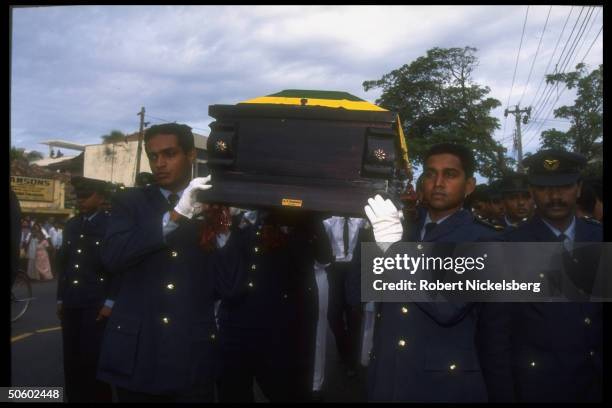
point(116, 162)
point(43, 186)
point(42, 193)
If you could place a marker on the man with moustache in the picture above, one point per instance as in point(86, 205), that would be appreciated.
point(546, 352)
point(517, 199)
point(426, 351)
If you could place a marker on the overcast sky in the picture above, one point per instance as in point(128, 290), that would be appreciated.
point(77, 72)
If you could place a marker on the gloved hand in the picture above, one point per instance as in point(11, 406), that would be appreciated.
point(385, 219)
point(188, 206)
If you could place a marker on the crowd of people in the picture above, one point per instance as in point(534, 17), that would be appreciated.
point(38, 246)
point(168, 299)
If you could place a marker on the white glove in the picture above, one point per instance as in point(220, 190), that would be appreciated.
point(385, 219)
point(188, 206)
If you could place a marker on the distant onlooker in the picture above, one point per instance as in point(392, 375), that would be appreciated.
point(25, 231)
point(51, 249)
point(15, 244)
point(39, 267)
point(48, 224)
point(56, 240)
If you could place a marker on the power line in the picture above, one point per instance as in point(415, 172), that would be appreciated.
point(536, 55)
point(174, 121)
point(558, 68)
point(565, 87)
point(516, 66)
point(551, 58)
point(581, 31)
point(559, 93)
point(546, 92)
point(592, 24)
point(553, 120)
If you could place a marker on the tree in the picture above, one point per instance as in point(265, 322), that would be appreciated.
point(556, 139)
point(586, 115)
point(438, 101)
point(33, 155)
point(113, 137)
point(17, 153)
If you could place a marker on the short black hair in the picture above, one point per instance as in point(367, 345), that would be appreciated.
point(183, 134)
point(592, 190)
point(463, 153)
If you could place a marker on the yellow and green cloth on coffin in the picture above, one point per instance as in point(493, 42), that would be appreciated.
point(329, 99)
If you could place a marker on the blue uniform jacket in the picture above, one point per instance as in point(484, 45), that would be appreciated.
point(426, 351)
point(161, 336)
point(543, 351)
point(280, 291)
point(83, 281)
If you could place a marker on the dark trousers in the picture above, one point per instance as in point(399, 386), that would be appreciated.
point(81, 338)
point(205, 393)
point(344, 318)
point(282, 369)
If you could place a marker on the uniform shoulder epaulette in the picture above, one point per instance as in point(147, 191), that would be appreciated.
point(487, 223)
point(590, 219)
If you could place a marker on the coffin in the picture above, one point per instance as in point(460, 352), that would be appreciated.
point(312, 150)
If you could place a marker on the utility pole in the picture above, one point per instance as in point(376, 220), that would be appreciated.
point(140, 137)
point(519, 142)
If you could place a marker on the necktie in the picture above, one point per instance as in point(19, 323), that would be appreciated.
point(345, 236)
point(428, 228)
point(172, 200)
point(561, 238)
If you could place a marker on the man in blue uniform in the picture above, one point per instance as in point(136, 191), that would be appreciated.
point(546, 352)
point(426, 351)
point(496, 203)
point(267, 332)
point(516, 198)
point(85, 293)
point(590, 202)
point(159, 344)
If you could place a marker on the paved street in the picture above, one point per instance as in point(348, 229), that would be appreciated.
point(36, 351)
point(36, 341)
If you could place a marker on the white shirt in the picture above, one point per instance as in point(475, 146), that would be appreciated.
point(56, 240)
point(52, 233)
point(167, 225)
point(334, 226)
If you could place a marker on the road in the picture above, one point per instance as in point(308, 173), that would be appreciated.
point(36, 352)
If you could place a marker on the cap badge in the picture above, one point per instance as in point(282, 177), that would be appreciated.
point(551, 165)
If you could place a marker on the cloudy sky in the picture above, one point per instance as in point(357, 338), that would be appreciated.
point(78, 72)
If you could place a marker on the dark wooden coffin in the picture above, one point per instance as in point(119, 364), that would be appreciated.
point(305, 157)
